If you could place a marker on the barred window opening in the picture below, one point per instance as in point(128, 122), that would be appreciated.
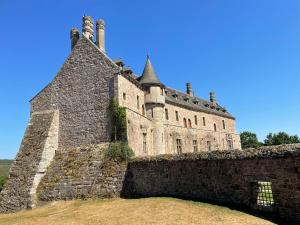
point(265, 194)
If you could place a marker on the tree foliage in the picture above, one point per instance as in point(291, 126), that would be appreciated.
point(281, 138)
point(249, 140)
point(118, 121)
point(119, 150)
point(2, 182)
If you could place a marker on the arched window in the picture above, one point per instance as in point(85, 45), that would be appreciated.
point(215, 127)
point(184, 122)
point(190, 123)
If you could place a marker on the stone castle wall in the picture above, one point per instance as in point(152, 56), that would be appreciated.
point(223, 177)
point(81, 173)
point(81, 92)
point(39, 142)
point(141, 125)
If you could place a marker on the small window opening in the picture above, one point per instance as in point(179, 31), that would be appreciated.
point(224, 125)
point(195, 145)
point(179, 146)
point(138, 102)
point(190, 123)
point(204, 121)
point(162, 91)
point(208, 145)
point(152, 114)
point(184, 122)
point(265, 194)
point(145, 142)
point(143, 110)
point(215, 127)
point(124, 96)
point(196, 120)
point(166, 114)
point(177, 115)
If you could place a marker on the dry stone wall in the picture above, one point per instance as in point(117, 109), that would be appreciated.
point(16, 193)
point(224, 177)
point(81, 173)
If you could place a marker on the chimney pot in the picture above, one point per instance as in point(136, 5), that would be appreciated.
point(212, 96)
point(100, 34)
point(74, 35)
point(189, 89)
point(88, 27)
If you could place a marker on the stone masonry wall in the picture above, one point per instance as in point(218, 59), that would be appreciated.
point(81, 91)
point(81, 173)
point(224, 177)
point(16, 193)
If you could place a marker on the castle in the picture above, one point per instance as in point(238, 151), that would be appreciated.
point(160, 120)
point(61, 154)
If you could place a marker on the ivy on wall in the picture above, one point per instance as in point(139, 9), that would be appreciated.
point(118, 121)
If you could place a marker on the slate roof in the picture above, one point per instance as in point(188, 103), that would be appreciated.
point(149, 76)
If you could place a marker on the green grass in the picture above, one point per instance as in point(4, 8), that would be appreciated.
point(4, 167)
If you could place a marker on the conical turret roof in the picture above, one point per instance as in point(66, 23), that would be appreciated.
point(149, 76)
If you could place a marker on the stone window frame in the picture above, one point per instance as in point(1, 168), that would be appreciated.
point(204, 121)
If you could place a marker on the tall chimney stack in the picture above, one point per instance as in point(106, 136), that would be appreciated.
point(100, 34)
point(189, 89)
point(213, 98)
point(88, 27)
point(74, 35)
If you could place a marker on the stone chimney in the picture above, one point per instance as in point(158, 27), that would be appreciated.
point(74, 35)
point(88, 27)
point(100, 34)
point(189, 89)
point(213, 98)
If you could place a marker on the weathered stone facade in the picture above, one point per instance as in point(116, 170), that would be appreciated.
point(35, 154)
point(223, 177)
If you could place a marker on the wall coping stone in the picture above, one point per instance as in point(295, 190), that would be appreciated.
point(280, 151)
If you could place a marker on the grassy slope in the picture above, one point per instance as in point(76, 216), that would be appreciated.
point(131, 212)
point(4, 166)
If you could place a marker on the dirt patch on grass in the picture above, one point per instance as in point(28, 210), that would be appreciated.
point(132, 212)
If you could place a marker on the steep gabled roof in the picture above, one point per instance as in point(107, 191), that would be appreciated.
point(149, 76)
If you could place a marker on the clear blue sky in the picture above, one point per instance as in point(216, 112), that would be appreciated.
point(247, 51)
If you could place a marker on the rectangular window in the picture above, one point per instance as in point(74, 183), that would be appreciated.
point(230, 144)
point(124, 96)
point(208, 145)
point(224, 125)
point(265, 194)
point(179, 146)
point(166, 114)
point(161, 91)
point(204, 121)
point(145, 142)
point(215, 127)
point(196, 120)
point(152, 113)
point(177, 115)
point(138, 102)
point(195, 145)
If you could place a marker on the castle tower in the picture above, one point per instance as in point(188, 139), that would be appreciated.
point(155, 102)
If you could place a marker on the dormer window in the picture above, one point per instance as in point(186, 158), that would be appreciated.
point(196, 102)
point(161, 91)
point(175, 96)
point(186, 99)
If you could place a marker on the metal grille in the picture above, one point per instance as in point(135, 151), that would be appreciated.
point(265, 194)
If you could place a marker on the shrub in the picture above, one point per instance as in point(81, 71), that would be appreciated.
point(2, 182)
point(119, 151)
point(118, 121)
